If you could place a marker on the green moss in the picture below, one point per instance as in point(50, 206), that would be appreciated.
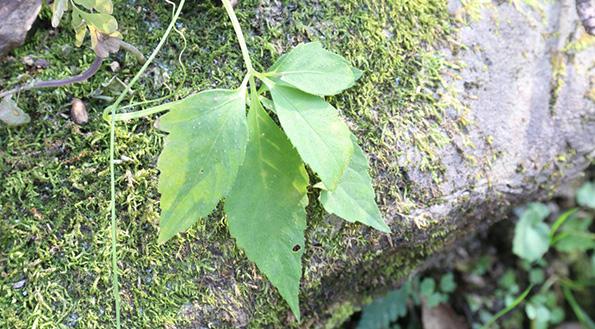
point(340, 314)
point(54, 228)
point(558, 62)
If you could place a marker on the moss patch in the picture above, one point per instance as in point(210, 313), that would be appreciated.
point(54, 188)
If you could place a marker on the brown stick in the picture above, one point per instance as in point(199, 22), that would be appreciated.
point(81, 77)
point(58, 83)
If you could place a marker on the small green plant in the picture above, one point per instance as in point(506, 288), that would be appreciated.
point(569, 235)
point(214, 152)
point(383, 312)
point(543, 310)
point(94, 16)
point(434, 295)
point(533, 238)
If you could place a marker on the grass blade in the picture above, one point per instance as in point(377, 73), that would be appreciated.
point(509, 308)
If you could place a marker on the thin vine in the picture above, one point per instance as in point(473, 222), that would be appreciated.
point(112, 109)
point(240, 35)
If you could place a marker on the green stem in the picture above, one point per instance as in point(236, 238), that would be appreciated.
point(240, 36)
point(512, 306)
point(112, 109)
point(253, 91)
point(581, 315)
point(143, 113)
point(249, 77)
point(146, 65)
point(560, 221)
point(115, 283)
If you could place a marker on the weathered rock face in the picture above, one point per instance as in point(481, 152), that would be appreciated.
point(527, 101)
point(530, 126)
point(16, 16)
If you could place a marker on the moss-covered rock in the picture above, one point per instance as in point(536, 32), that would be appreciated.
point(454, 111)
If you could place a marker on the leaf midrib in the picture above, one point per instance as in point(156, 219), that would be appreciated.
point(282, 73)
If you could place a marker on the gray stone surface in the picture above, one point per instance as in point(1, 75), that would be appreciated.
point(531, 130)
point(536, 134)
point(16, 16)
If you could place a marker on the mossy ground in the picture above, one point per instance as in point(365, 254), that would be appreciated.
point(54, 225)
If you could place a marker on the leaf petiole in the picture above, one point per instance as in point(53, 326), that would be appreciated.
point(248, 77)
point(143, 113)
point(116, 104)
point(163, 107)
point(239, 34)
point(264, 75)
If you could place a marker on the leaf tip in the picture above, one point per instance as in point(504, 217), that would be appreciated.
point(295, 309)
point(321, 186)
point(357, 73)
point(164, 237)
point(382, 227)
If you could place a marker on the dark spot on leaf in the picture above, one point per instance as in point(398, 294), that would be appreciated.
point(296, 248)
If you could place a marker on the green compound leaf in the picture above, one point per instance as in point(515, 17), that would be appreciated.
point(354, 198)
point(428, 291)
point(314, 127)
point(447, 283)
point(266, 207)
point(531, 235)
point(317, 71)
point(427, 287)
point(201, 156)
